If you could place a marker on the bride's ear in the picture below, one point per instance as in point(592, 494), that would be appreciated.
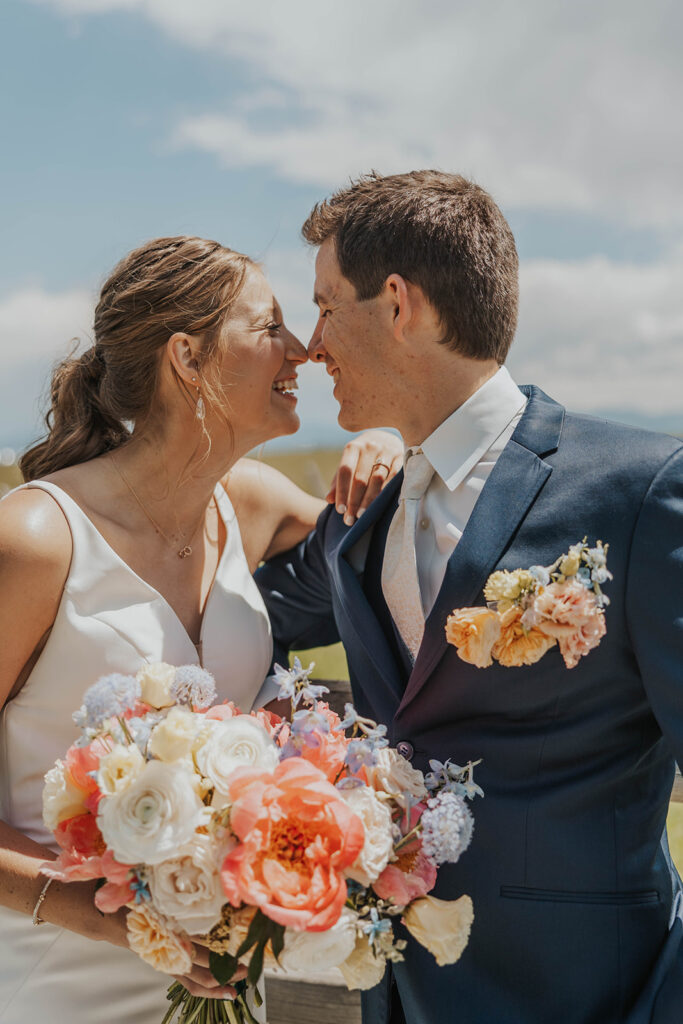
point(183, 354)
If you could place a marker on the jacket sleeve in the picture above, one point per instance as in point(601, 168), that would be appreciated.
point(296, 589)
point(654, 599)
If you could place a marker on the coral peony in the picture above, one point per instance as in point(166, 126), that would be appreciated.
point(519, 645)
point(473, 631)
point(406, 879)
point(297, 837)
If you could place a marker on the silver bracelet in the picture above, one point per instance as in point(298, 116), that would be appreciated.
point(37, 919)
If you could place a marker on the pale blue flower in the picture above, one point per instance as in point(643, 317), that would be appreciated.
point(295, 685)
point(376, 926)
point(360, 753)
point(350, 718)
point(193, 685)
point(110, 697)
point(349, 782)
point(540, 573)
point(447, 826)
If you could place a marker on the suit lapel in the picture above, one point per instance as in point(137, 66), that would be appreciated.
point(512, 487)
point(388, 689)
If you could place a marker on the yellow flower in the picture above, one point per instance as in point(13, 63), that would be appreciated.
point(118, 768)
point(155, 684)
point(569, 566)
point(517, 644)
point(441, 926)
point(504, 586)
point(174, 737)
point(362, 970)
point(473, 631)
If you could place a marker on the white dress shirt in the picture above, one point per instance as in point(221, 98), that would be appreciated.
point(463, 450)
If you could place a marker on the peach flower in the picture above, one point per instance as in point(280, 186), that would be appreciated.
point(412, 875)
point(473, 631)
point(441, 926)
point(297, 837)
point(519, 645)
point(570, 612)
point(84, 856)
point(150, 936)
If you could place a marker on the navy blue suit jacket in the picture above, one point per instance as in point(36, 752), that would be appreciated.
point(574, 895)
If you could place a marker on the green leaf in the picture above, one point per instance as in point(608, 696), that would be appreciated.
point(256, 963)
point(277, 939)
point(258, 932)
point(223, 966)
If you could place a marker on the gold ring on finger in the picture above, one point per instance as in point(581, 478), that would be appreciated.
point(383, 464)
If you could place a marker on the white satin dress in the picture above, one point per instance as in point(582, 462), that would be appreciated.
point(109, 620)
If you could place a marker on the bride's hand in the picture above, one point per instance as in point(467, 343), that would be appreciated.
point(201, 982)
point(367, 463)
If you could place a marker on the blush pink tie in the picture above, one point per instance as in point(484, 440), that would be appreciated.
point(400, 581)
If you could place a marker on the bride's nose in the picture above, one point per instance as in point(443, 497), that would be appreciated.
point(296, 352)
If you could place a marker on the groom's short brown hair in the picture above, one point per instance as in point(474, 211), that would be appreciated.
point(440, 231)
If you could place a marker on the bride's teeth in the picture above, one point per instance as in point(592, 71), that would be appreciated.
point(285, 385)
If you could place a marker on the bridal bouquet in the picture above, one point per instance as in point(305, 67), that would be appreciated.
point(295, 843)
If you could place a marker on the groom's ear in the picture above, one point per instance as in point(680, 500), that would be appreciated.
point(411, 313)
point(399, 304)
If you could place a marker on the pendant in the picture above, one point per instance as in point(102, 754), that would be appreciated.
point(185, 552)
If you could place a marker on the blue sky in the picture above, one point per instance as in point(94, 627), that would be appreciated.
point(126, 119)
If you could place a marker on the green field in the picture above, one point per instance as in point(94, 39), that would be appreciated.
point(313, 470)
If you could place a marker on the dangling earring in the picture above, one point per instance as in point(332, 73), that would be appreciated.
point(200, 409)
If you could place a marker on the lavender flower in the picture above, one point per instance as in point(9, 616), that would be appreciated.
point(110, 697)
point(295, 685)
point(193, 685)
point(308, 725)
point(447, 826)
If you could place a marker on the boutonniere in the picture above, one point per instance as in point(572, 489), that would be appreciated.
point(528, 611)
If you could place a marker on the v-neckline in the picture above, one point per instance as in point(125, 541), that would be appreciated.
point(220, 495)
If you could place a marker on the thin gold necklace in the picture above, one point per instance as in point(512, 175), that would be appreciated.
point(185, 551)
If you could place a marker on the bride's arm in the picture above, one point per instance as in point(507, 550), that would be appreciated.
point(35, 554)
point(275, 515)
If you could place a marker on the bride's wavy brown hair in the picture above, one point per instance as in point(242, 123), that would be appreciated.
point(168, 285)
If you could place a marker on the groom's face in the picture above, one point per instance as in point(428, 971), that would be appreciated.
point(352, 338)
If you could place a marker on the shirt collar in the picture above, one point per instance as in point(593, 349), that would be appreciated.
point(458, 443)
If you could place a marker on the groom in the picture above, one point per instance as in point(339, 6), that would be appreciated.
point(576, 905)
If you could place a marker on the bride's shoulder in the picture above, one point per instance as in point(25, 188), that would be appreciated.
point(257, 487)
point(33, 531)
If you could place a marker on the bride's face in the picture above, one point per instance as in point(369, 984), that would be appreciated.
point(257, 361)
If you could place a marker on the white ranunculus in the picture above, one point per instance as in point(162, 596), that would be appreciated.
point(396, 776)
point(318, 951)
point(155, 684)
point(61, 798)
point(155, 815)
point(379, 844)
point(174, 737)
point(362, 969)
point(187, 888)
point(235, 743)
point(118, 768)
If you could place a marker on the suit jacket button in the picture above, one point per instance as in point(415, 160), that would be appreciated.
point(405, 749)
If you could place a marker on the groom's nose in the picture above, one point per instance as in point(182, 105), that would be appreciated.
point(316, 349)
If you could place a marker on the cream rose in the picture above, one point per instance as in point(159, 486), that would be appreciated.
point(320, 950)
point(362, 969)
point(378, 846)
point(395, 775)
point(441, 926)
point(155, 684)
point(156, 814)
point(61, 798)
point(118, 768)
point(150, 936)
point(174, 737)
point(234, 743)
point(187, 888)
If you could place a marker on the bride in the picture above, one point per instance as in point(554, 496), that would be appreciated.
point(132, 545)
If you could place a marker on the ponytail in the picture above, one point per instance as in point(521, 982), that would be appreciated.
point(79, 426)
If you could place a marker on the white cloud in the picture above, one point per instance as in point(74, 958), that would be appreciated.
point(37, 329)
point(603, 336)
point(548, 104)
